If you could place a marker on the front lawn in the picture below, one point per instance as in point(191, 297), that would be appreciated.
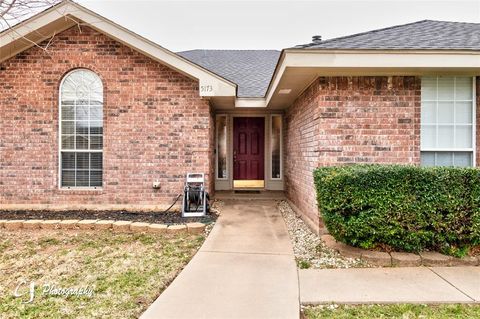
point(126, 272)
point(393, 312)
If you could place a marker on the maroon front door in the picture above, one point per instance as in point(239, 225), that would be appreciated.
point(248, 148)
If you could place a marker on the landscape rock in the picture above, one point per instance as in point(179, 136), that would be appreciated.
point(32, 224)
point(103, 224)
point(401, 259)
point(432, 258)
point(121, 226)
point(139, 227)
point(195, 228)
point(379, 258)
point(312, 251)
point(347, 250)
point(157, 228)
point(175, 229)
point(14, 224)
point(86, 223)
point(69, 224)
point(50, 224)
point(329, 240)
point(465, 261)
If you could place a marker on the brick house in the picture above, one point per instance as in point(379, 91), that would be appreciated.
point(102, 113)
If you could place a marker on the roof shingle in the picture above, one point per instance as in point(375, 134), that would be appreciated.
point(251, 70)
point(425, 34)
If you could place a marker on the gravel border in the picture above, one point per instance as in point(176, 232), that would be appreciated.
point(310, 251)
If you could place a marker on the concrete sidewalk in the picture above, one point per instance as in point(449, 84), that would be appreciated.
point(390, 285)
point(245, 269)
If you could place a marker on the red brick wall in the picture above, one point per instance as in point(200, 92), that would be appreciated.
point(302, 124)
point(156, 126)
point(342, 120)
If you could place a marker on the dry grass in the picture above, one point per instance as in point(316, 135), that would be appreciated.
point(400, 311)
point(126, 271)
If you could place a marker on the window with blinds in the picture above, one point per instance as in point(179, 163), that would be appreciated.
point(447, 121)
point(81, 128)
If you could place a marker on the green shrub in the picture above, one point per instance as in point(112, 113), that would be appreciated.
point(408, 208)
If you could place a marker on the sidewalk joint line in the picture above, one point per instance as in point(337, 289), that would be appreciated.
point(243, 253)
point(431, 269)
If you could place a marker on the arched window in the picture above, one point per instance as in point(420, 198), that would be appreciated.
point(81, 129)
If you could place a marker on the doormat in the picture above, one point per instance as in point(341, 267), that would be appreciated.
point(245, 191)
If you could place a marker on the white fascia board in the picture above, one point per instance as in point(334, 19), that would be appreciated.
point(250, 102)
point(40, 20)
point(277, 76)
point(210, 84)
point(372, 59)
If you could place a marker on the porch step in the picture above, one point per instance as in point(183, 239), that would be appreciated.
point(246, 191)
point(250, 195)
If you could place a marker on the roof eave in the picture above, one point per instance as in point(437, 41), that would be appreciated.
point(210, 84)
point(303, 66)
point(391, 51)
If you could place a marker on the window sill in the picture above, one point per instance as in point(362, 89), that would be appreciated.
point(83, 190)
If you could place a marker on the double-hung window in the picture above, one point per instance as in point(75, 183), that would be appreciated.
point(81, 130)
point(447, 121)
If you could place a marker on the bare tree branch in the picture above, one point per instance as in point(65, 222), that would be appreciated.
point(13, 12)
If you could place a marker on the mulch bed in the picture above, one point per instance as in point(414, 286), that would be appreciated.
point(169, 218)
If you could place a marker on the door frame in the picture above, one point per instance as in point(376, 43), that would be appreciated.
point(269, 183)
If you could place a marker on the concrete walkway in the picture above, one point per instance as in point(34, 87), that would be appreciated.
point(245, 269)
point(390, 285)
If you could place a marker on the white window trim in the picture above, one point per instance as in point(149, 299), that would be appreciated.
point(271, 147)
point(216, 148)
point(474, 121)
point(60, 150)
point(473, 149)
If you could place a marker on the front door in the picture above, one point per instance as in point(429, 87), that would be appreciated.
point(248, 151)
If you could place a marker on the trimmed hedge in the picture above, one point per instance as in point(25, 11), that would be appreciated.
point(407, 208)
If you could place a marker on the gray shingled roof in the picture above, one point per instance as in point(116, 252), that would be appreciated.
point(251, 70)
point(426, 34)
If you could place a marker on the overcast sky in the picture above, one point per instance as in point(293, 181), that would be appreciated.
point(224, 24)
